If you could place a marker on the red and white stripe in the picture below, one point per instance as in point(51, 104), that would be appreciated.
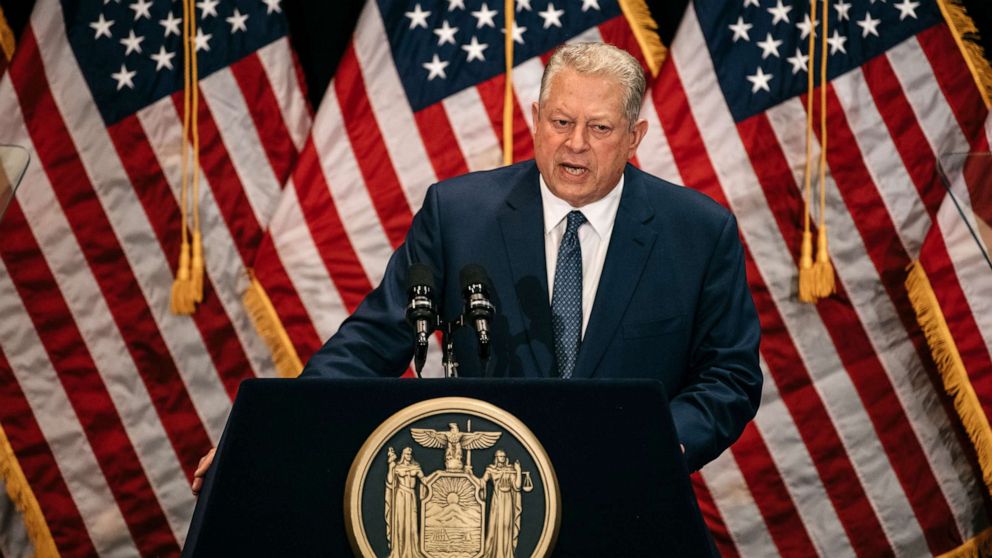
point(107, 398)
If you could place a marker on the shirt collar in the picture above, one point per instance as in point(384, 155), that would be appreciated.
point(600, 214)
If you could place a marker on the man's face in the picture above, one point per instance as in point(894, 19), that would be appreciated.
point(582, 140)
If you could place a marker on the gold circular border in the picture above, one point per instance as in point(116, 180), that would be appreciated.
point(355, 527)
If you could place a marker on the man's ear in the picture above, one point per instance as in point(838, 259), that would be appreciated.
point(640, 129)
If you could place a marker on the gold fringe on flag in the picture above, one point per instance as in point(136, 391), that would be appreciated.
point(645, 31)
point(979, 546)
point(187, 289)
point(966, 35)
point(24, 501)
point(508, 12)
point(7, 39)
point(951, 367)
point(269, 326)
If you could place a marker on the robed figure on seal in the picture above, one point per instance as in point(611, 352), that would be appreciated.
point(503, 527)
point(401, 505)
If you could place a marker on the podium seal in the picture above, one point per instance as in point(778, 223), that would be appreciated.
point(452, 477)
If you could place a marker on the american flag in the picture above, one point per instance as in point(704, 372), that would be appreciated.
point(854, 450)
point(107, 399)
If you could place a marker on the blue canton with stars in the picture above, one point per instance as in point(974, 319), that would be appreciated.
point(760, 47)
point(443, 46)
point(131, 52)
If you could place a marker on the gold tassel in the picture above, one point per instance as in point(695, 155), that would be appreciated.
point(270, 329)
point(807, 292)
point(645, 31)
point(25, 502)
point(823, 269)
point(979, 546)
point(182, 302)
point(966, 35)
point(196, 268)
point(951, 367)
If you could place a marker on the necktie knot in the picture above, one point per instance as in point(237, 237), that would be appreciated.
point(575, 220)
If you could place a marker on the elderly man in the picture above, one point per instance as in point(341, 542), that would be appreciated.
point(598, 269)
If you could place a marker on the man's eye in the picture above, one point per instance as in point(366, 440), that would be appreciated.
point(560, 123)
point(601, 128)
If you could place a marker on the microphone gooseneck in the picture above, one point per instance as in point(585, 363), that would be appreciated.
point(479, 310)
point(421, 312)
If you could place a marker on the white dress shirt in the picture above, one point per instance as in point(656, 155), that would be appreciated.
point(594, 238)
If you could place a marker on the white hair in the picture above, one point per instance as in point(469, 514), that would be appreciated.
point(603, 60)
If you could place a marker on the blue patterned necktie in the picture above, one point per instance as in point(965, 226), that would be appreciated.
point(566, 302)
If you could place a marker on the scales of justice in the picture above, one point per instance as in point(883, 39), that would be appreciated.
point(449, 520)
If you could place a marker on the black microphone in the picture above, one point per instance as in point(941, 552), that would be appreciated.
point(420, 310)
point(479, 311)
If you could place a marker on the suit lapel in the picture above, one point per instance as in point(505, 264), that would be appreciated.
point(629, 249)
point(522, 225)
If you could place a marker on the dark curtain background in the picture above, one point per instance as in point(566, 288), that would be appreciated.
point(320, 30)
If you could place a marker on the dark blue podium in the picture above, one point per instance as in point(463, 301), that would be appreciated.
point(277, 486)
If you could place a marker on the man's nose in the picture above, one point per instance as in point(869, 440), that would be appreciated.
point(578, 140)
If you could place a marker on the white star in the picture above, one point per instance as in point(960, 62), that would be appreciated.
point(759, 80)
point(751, 3)
point(132, 43)
point(207, 8)
point(780, 12)
point(124, 77)
point(518, 33)
point(586, 4)
point(868, 26)
point(837, 43)
point(741, 29)
point(769, 47)
point(141, 8)
point(163, 59)
point(523, 5)
point(436, 68)
point(418, 17)
point(551, 16)
point(907, 8)
point(202, 40)
point(474, 50)
point(446, 33)
point(484, 17)
point(237, 21)
point(452, 4)
point(842, 10)
point(102, 27)
point(799, 61)
point(273, 6)
point(171, 24)
point(806, 26)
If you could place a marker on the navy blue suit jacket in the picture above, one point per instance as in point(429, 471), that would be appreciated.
point(672, 301)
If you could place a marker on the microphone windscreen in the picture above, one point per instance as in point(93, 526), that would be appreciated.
point(419, 275)
point(473, 274)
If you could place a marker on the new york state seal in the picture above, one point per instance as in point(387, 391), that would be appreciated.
point(452, 477)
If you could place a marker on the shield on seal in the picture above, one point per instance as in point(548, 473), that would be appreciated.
point(452, 510)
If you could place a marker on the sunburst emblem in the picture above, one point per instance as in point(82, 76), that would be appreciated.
point(449, 491)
